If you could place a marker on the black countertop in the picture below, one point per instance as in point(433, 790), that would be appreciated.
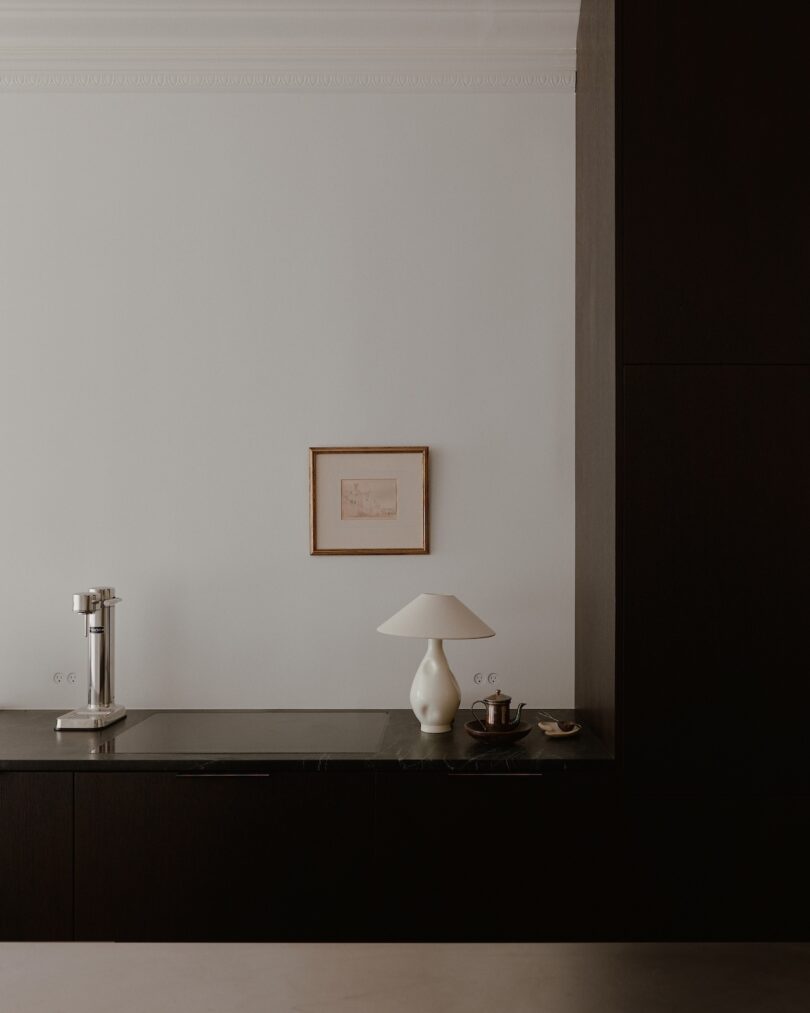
point(28, 742)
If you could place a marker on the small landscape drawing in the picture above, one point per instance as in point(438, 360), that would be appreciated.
point(368, 499)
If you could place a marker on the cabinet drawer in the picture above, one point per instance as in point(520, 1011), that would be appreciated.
point(494, 858)
point(162, 856)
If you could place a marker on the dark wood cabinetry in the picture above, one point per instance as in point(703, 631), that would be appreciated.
point(693, 490)
point(713, 866)
point(712, 181)
point(494, 857)
point(166, 856)
point(716, 554)
point(36, 855)
point(163, 855)
point(691, 301)
point(395, 856)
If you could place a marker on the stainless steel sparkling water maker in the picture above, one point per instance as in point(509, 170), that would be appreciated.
point(97, 605)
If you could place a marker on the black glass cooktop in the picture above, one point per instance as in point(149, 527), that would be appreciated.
point(255, 732)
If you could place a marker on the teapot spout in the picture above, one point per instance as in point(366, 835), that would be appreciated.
point(516, 720)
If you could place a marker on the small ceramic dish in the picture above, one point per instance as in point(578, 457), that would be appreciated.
point(553, 730)
point(497, 738)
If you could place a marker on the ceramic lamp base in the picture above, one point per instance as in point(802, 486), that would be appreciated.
point(435, 696)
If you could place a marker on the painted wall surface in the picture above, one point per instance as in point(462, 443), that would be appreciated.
point(196, 288)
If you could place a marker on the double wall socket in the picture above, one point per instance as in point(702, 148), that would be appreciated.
point(62, 677)
point(479, 677)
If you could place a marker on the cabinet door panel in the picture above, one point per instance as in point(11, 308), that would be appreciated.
point(36, 856)
point(715, 588)
point(714, 867)
point(686, 870)
point(712, 185)
point(173, 857)
point(494, 858)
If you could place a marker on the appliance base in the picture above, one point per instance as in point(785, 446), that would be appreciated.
point(90, 718)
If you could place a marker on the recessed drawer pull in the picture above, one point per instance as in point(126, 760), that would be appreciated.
point(494, 773)
point(195, 775)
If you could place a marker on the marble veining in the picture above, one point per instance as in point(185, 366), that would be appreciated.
point(28, 742)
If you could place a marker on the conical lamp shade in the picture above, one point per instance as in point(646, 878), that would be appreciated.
point(436, 617)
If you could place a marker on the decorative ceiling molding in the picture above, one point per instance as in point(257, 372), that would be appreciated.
point(260, 45)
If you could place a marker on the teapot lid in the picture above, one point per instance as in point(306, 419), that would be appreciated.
point(498, 697)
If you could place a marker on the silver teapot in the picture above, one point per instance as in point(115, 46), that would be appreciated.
point(498, 718)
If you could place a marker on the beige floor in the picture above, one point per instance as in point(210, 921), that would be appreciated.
point(401, 978)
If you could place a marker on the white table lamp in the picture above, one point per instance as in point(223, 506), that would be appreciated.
point(435, 695)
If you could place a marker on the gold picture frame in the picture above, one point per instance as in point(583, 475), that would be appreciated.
point(363, 498)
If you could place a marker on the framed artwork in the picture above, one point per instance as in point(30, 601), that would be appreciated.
point(368, 501)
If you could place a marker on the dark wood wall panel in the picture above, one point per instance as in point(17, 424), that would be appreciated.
point(714, 183)
point(36, 856)
point(716, 866)
point(596, 370)
point(716, 594)
point(697, 529)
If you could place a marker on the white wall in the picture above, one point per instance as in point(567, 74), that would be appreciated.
point(197, 287)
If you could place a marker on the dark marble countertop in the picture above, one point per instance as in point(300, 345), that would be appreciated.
point(28, 742)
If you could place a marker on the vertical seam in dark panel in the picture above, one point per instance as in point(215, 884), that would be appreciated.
point(73, 855)
point(619, 449)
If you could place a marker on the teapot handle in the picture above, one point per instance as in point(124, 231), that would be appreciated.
point(472, 710)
